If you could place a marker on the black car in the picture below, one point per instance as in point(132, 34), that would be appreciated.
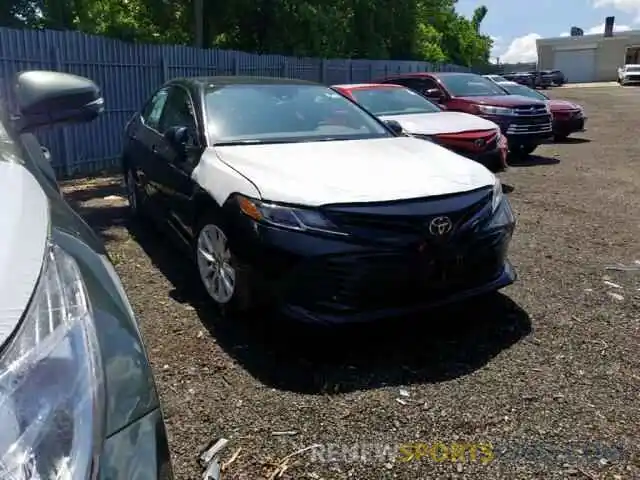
point(523, 78)
point(287, 193)
point(78, 398)
point(541, 79)
point(557, 77)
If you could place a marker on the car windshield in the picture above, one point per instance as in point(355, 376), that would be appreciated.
point(281, 113)
point(524, 91)
point(470, 85)
point(393, 101)
point(633, 69)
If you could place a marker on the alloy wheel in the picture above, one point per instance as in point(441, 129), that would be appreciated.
point(216, 272)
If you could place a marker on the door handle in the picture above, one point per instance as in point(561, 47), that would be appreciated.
point(154, 148)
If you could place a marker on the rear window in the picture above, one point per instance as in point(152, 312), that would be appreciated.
point(393, 101)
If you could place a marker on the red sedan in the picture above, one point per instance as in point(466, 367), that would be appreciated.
point(568, 117)
point(468, 135)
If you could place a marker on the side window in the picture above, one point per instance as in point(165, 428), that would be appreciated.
point(152, 111)
point(178, 111)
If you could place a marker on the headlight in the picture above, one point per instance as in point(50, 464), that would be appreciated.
point(302, 219)
point(497, 194)
point(51, 381)
point(488, 110)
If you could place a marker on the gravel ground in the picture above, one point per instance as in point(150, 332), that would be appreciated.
point(546, 373)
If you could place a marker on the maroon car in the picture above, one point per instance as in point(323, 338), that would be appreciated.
point(525, 122)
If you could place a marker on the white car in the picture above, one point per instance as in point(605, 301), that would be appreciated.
point(496, 78)
point(472, 136)
point(629, 74)
point(289, 193)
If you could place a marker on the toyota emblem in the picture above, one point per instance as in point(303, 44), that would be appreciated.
point(479, 142)
point(440, 226)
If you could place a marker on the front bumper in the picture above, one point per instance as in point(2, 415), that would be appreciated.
point(384, 268)
point(495, 160)
point(566, 126)
point(522, 129)
point(631, 79)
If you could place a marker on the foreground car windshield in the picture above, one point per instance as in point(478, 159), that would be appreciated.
point(285, 113)
point(393, 101)
point(468, 85)
point(524, 91)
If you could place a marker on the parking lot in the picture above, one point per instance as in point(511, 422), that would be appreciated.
point(546, 372)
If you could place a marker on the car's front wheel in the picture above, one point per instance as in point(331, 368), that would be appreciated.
point(133, 192)
point(224, 278)
point(523, 149)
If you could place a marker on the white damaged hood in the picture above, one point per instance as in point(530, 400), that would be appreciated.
point(24, 224)
point(441, 122)
point(319, 173)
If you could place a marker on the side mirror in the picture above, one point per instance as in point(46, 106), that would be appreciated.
point(49, 98)
point(433, 94)
point(177, 137)
point(46, 153)
point(395, 127)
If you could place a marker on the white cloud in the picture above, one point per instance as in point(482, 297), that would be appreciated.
point(628, 6)
point(521, 49)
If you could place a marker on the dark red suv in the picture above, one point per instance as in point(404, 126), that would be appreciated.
point(525, 122)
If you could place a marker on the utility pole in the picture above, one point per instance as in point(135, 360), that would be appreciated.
point(198, 11)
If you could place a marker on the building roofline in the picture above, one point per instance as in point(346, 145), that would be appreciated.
point(594, 37)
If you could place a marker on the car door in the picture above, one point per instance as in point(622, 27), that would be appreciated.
point(175, 162)
point(143, 136)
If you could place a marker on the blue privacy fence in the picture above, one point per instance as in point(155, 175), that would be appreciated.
point(128, 73)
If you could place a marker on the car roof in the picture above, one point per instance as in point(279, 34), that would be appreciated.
point(223, 81)
point(357, 86)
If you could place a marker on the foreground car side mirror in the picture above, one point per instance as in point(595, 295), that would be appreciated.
point(433, 94)
point(395, 127)
point(49, 98)
point(177, 137)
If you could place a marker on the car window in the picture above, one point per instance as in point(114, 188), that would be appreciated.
point(417, 84)
point(524, 91)
point(152, 111)
point(178, 111)
point(470, 85)
point(263, 113)
point(393, 101)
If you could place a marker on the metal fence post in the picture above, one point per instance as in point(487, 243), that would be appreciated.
point(323, 71)
point(64, 132)
point(164, 66)
point(236, 64)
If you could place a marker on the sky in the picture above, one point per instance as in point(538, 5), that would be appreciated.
point(515, 25)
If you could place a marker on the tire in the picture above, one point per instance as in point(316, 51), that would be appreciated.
point(133, 194)
point(524, 150)
point(225, 279)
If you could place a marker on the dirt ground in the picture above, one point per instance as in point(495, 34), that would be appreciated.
point(546, 374)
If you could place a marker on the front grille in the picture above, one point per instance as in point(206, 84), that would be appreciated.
point(393, 279)
point(530, 110)
point(530, 124)
point(423, 267)
point(466, 144)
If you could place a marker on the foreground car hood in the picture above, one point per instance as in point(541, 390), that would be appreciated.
point(320, 173)
point(503, 100)
point(441, 122)
point(557, 105)
point(24, 225)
